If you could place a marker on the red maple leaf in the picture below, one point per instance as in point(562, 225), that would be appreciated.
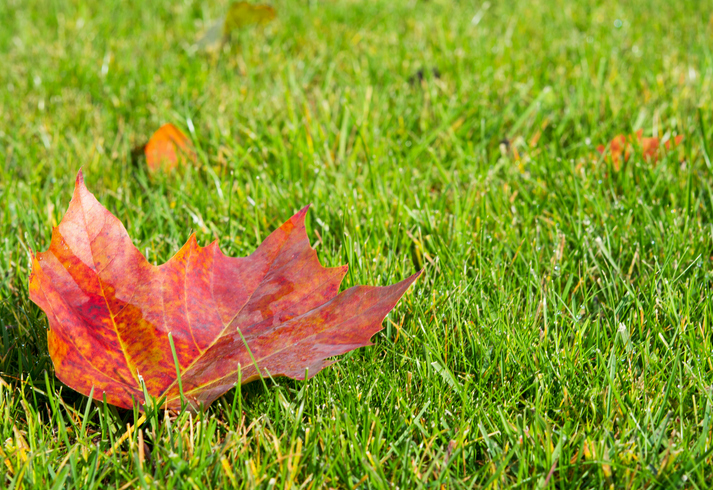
point(275, 312)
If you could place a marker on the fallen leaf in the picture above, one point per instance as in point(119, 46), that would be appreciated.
point(275, 312)
point(676, 141)
point(239, 15)
point(620, 148)
point(167, 147)
point(649, 148)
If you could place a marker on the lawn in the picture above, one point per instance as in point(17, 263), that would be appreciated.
point(560, 335)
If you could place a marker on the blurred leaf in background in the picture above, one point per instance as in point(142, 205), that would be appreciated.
point(240, 14)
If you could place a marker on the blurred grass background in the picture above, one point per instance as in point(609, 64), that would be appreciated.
point(560, 336)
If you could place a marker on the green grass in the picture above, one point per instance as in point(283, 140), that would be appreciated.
point(561, 334)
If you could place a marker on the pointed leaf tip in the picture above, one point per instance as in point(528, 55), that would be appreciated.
point(302, 212)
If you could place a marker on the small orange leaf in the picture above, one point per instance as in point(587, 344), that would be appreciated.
point(617, 148)
point(620, 148)
point(676, 141)
point(167, 147)
point(649, 146)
